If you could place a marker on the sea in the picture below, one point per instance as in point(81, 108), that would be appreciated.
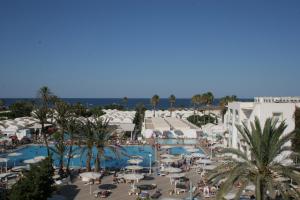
point(131, 104)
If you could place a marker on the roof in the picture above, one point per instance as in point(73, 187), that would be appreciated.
point(128, 127)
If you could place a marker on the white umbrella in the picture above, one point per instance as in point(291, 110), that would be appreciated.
point(204, 161)
point(31, 161)
point(134, 167)
point(14, 154)
point(133, 177)
point(179, 175)
point(172, 170)
point(3, 175)
point(20, 168)
point(192, 150)
point(198, 155)
point(90, 175)
point(165, 155)
point(166, 147)
point(209, 167)
point(135, 161)
point(39, 158)
point(169, 160)
point(2, 160)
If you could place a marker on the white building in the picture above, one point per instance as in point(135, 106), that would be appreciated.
point(169, 127)
point(282, 108)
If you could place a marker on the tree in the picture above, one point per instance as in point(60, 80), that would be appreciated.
point(154, 102)
point(88, 138)
point(266, 145)
point(138, 118)
point(172, 100)
point(42, 111)
point(2, 104)
point(21, 109)
point(62, 116)
point(73, 130)
point(102, 134)
point(37, 184)
point(125, 102)
point(296, 139)
point(224, 102)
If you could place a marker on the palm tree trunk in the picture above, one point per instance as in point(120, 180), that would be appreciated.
point(88, 160)
point(154, 108)
point(97, 162)
point(69, 155)
point(45, 138)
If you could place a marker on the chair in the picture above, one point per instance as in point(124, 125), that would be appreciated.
point(156, 195)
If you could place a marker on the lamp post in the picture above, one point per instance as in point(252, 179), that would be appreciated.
point(150, 155)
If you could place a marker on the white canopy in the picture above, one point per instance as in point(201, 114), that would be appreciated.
point(169, 160)
point(166, 155)
point(90, 175)
point(198, 155)
point(172, 170)
point(192, 150)
point(3, 160)
point(134, 167)
point(209, 167)
point(133, 177)
point(179, 175)
point(135, 161)
point(14, 154)
point(204, 161)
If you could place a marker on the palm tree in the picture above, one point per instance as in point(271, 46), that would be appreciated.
point(102, 134)
point(88, 138)
point(154, 102)
point(267, 146)
point(41, 114)
point(42, 111)
point(196, 101)
point(125, 102)
point(61, 116)
point(172, 100)
point(224, 102)
point(73, 129)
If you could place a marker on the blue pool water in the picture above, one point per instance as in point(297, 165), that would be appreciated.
point(177, 141)
point(181, 150)
point(111, 159)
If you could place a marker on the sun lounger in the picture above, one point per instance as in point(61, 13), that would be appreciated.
point(156, 195)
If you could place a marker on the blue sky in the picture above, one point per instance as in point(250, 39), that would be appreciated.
point(137, 48)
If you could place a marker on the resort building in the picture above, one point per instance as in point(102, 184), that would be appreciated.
point(169, 127)
point(281, 108)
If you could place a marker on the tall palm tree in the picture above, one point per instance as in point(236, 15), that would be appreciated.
point(103, 134)
point(154, 102)
point(41, 114)
point(265, 167)
point(196, 101)
point(42, 111)
point(61, 116)
point(172, 100)
point(88, 138)
point(73, 129)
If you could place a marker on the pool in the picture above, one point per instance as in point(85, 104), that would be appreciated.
point(111, 161)
point(177, 141)
point(182, 150)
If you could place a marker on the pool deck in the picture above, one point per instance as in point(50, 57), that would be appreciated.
point(78, 191)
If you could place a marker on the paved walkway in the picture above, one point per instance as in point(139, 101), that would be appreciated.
point(79, 191)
